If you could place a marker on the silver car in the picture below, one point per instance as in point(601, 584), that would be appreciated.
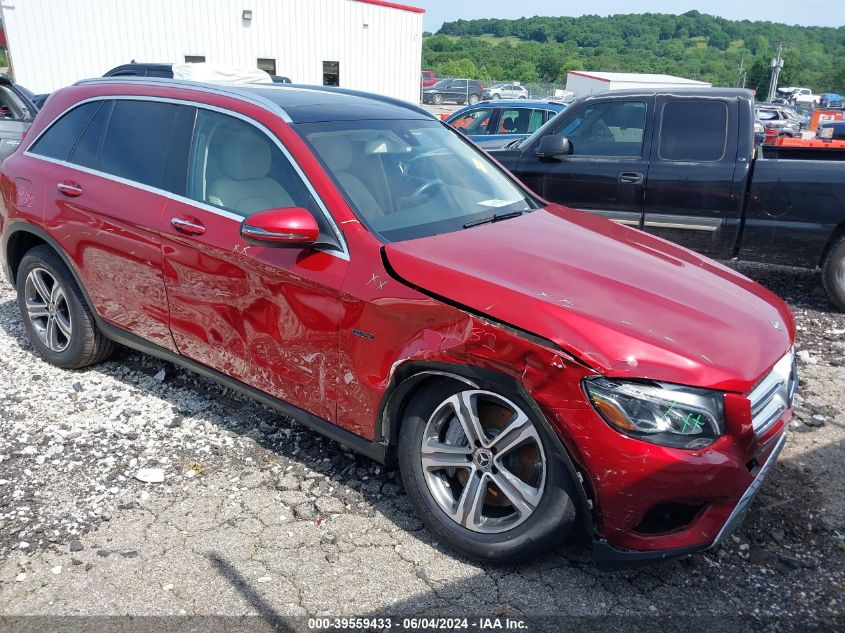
point(16, 115)
point(505, 91)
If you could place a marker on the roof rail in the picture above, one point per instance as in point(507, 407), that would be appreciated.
point(226, 91)
point(357, 93)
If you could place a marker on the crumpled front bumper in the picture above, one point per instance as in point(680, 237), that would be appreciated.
point(610, 558)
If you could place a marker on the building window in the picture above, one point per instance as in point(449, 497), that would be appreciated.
point(194, 59)
point(331, 73)
point(267, 65)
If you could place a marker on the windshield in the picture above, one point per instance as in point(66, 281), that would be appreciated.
point(410, 179)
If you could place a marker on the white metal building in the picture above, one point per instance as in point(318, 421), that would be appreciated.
point(369, 45)
point(585, 83)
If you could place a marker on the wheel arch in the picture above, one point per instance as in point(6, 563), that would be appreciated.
point(837, 233)
point(21, 238)
point(414, 376)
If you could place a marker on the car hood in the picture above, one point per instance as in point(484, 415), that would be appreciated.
point(619, 300)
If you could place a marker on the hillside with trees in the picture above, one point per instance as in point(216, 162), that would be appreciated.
point(692, 45)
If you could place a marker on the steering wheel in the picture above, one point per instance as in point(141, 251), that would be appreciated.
point(599, 131)
point(427, 188)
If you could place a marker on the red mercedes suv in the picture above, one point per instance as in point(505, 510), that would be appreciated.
point(356, 264)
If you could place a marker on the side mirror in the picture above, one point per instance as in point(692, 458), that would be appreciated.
point(553, 145)
point(291, 226)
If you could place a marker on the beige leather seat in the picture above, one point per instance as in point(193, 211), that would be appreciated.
point(338, 154)
point(244, 159)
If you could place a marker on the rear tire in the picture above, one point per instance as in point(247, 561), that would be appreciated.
point(498, 499)
point(56, 317)
point(833, 273)
point(473, 99)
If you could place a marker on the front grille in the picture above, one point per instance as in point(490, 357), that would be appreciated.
point(774, 394)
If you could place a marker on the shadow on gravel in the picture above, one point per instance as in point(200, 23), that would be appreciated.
point(789, 539)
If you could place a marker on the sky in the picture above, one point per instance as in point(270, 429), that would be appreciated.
point(805, 12)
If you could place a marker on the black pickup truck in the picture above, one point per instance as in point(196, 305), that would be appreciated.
point(682, 164)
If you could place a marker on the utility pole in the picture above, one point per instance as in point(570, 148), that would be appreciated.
point(741, 81)
point(777, 65)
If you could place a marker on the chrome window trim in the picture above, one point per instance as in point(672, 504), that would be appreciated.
point(342, 254)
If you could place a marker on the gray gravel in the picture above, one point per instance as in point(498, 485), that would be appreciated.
point(257, 514)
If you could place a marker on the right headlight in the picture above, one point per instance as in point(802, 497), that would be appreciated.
point(661, 413)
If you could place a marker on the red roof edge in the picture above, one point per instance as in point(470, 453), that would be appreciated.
point(394, 5)
point(574, 72)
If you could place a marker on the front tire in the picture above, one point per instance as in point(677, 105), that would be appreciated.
point(473, 99)
point(437, 99)
point(484, 474)
point(833, 273)
point(56, 317)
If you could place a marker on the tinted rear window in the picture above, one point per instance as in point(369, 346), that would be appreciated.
point(694, 131)
point(87, 149)
point(60, 137)
point(135, 145)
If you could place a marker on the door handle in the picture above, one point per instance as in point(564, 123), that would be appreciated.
point(188, 226)
point(69, 188)
point(630, 178)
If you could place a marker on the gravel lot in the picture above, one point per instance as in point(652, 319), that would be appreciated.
point(257, 515)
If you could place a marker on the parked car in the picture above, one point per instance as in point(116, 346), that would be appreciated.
point(427, 78)
point(492, 126)
point(831, 100)
point(505, 91)
point(454, 91)
point(795, 95)
point(356, 263)
point(142, 70)
point(16, 114)
point(34, 99)
point(782, 120)
point(680, 164)
point(832, 130)
point(759, 132)
point(164, 71)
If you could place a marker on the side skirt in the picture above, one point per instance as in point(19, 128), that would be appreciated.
point(373, 450)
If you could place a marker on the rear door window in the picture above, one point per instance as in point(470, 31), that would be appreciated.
point(520, 121)
point(87, 150)
point(137, 139)
point(59, 139)
point(694, 130)
point(156, 72)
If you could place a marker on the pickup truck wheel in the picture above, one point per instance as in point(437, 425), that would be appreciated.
point(484, 474)
point(833, 274)
point(56, 317)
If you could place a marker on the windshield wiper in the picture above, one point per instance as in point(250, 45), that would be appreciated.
point(496, 217)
